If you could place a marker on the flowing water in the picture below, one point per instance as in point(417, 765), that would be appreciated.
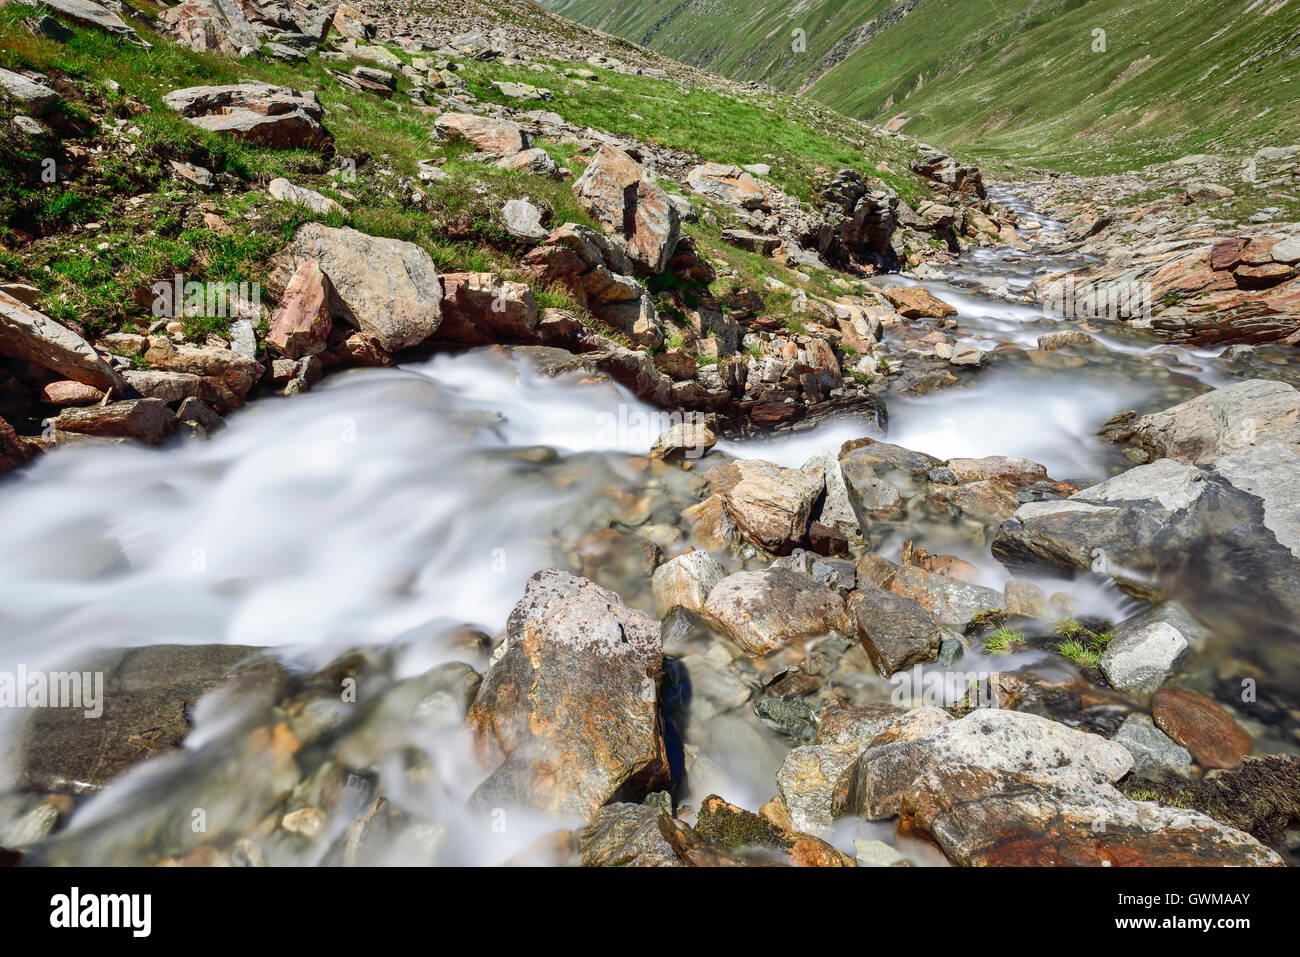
point(388, 507)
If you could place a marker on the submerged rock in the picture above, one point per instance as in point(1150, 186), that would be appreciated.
point(1202, 726)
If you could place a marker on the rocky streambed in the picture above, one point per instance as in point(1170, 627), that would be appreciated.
point(477, 609)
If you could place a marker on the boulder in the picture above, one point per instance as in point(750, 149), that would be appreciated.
point(498, 137)
point(479, 308)
point(30, 335)
point(535, 161)
point(1165, 530)
point(1210, 426)
point(147, 696)
point(1144, 651)
point(13, 450)
point(30, 96)
point(913, 302)
point(765, 610)
point(65, 392)
point(390, 286)
point(145, 420)
point(896, 631)
point(1155, 754)
point(615, 190)
point(270, 116)
point(237, 373)
point(770, 505)
point(1202, 726)
point(87, 13)
point(1009, 788)
point(523, 219)
point(218, 25)
point(813, 777)
point(836, 508)
point(687, 580)
point(689, 440)
point(568, 719)
point(286, 192)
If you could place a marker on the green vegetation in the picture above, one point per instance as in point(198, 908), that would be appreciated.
point(1003, 641)
point(1081, 645)
point(1004, 79)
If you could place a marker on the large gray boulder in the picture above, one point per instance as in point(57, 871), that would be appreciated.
point(390, 286)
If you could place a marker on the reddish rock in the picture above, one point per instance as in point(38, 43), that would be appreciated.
point(1262, 277)
point(478, 308)
point(1201, 726)
point(616, 191)
point(825, 540)
point(498, 137)
point(13, 450)
point(305, 317)
point(1226, 254)
point(63, 392)
point(271, 116)
point(913, 302)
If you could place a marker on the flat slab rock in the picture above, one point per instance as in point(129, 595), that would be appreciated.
point(272, 116)
point(1202, 726)
point(147, 696)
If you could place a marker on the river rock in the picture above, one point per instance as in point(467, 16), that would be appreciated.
point(1202, 726)
point(390, 286)
point(896, 631)
point(303, 321)
point(1155, 530)
point(765, 610)
point(237, 373)
point(1154, 753)
point(913, 302)
point(568, 717)
point(148, 694)
point(32, 336)
point(729, 826)
point(615, 190)
point(689, 440)
point(497, 137)
point(1146, 650)
point(1218, 423)
point(836, 508)
point(271, 116)
point(687, 580)
point(769, 504)
point(175, 387)
point(13, 450)
point(145, 420)
point(812, 776)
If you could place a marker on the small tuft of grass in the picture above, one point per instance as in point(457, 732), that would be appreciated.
point(1072, 649)
point(1003, 641)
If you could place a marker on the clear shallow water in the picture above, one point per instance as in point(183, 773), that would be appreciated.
point(390, 505)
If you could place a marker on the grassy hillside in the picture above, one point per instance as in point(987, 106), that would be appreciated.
point(1008, 77)
point(117, 219)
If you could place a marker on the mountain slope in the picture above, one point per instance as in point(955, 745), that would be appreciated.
point(1006, 77)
